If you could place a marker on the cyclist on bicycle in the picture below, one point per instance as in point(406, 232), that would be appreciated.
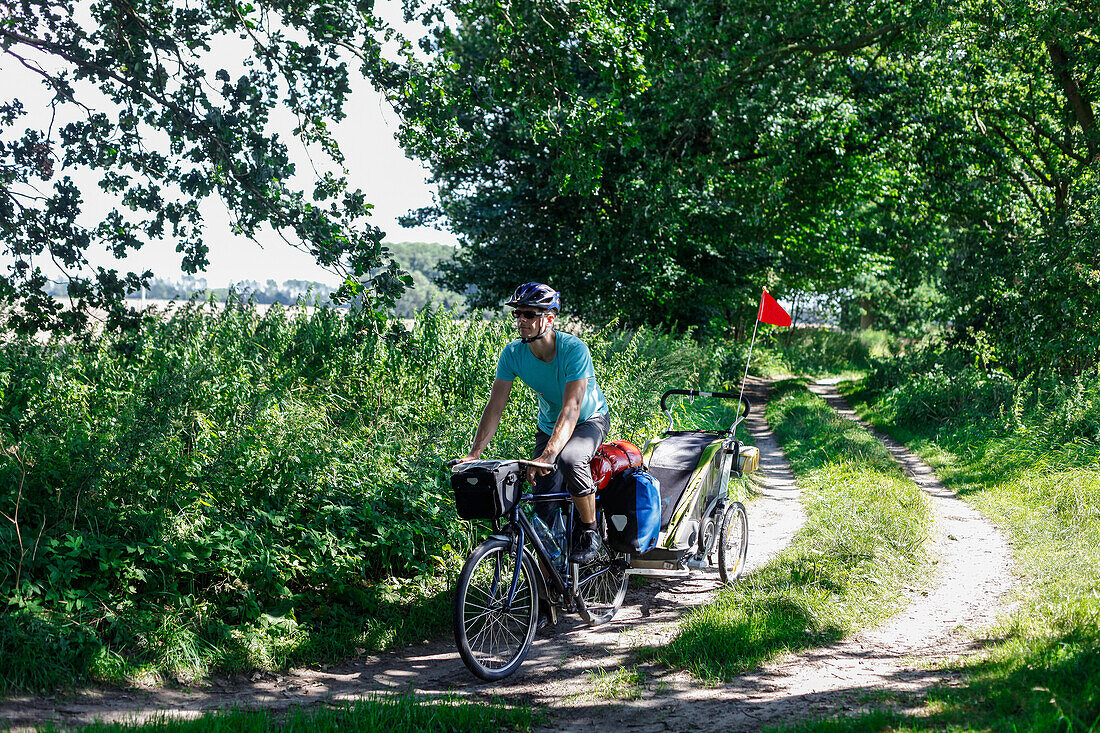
point(573, 415)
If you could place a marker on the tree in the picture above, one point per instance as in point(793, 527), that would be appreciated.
point(1025, 272)
point(660, 161)
point(142, 95)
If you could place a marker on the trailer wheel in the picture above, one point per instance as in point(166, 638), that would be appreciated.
point(733, 542)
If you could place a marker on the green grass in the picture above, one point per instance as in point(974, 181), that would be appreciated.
point(398, 714)
point(865, 538)
point(1040, 670)
point(620, 683)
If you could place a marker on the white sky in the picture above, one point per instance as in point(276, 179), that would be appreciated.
point(392, 182)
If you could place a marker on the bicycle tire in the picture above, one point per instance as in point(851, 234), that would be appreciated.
point(492, 641)
point(733, 542)
point(601, 587)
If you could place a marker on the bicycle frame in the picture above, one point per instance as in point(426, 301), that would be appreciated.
point(524, 531)
point(546, 570)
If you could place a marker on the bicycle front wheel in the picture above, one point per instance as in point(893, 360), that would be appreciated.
point(493, 635)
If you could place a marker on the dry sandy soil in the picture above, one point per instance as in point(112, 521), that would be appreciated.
point(974, 572)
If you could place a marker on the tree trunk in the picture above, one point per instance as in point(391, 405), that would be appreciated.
point(867, 317)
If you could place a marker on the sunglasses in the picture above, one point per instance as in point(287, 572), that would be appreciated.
point(526, 315)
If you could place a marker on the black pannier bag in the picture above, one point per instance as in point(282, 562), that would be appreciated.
point(632, 509)
point(485, 489)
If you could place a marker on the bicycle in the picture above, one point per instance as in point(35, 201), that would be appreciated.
point(507, 576)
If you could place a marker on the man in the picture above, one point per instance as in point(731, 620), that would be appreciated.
point(573, 414)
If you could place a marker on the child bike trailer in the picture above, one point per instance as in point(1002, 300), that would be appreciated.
point(700, 525)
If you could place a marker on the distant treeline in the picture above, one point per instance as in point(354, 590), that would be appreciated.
point(419, 259)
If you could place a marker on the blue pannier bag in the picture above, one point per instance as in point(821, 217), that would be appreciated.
point(632, 508)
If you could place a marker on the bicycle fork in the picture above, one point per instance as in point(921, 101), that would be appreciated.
point(517, 562)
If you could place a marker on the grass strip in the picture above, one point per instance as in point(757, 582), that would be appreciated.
point(393, 714)
point(865, 538)
point(1040, 669)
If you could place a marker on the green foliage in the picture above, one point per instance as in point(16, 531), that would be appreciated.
point(819, 351)
point(934, 162)
point(1033, 468)
point(1025, 267)
point(225, 490)
point(943, 393)
point(865, 538)
point(822, 350)
point(167, 107)
point(933, 386)
point(398, 713)
point(420, 260)
point(891, 303)
point(571, 146)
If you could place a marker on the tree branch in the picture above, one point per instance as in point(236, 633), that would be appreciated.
point(1082, 108)
point(187, 118)
point(1026, 159)
point(855, 44)
point(1040, 130)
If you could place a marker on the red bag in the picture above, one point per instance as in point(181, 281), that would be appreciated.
point(613, 458)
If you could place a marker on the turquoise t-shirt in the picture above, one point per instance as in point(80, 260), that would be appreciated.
point(571, 362)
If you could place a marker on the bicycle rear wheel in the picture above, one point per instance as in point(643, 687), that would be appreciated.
point(601, 585)
point(733, 542)
point(492, 639)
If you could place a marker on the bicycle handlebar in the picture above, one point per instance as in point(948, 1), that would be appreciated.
point(697, 393)
point(521, 461)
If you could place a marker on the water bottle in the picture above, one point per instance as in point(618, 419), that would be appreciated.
point(546, 536)
point(557, 528)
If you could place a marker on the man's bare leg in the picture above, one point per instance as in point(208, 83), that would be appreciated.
point(586, 508)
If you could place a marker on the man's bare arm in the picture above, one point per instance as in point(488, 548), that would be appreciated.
point(490, 418)
point(567, 422)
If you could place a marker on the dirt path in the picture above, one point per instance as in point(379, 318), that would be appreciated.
point(560, 670)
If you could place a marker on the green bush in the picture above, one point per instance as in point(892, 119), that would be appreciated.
point(228, 490)
point(943, 394)
point(817, 350)
point(942, 387)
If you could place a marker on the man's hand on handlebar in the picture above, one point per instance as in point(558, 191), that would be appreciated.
point(465, 459)
point(533, 472)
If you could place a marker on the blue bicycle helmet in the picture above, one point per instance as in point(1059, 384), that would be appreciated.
point(535, 295)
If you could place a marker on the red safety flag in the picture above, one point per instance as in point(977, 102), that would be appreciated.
point(771, 312)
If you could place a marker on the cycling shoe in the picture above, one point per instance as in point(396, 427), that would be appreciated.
point(587, 547)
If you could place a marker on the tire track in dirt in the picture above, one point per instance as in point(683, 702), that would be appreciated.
point(558, 669)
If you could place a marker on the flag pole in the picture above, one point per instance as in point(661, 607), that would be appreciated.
point(749, 359)
point(776, 316)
